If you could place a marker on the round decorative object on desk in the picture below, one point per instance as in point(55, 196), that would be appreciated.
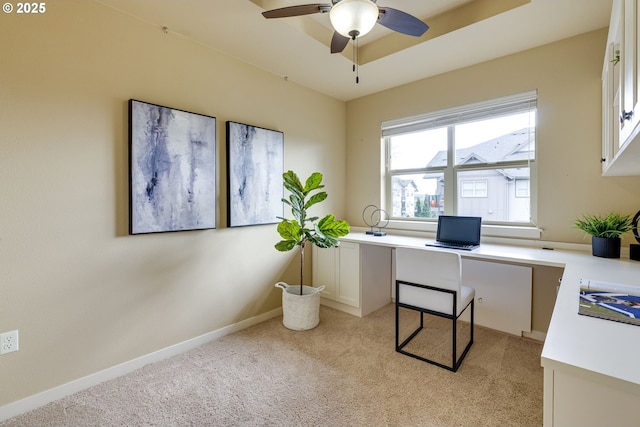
point(367, 217)
point(634, 249)
point(373, 217)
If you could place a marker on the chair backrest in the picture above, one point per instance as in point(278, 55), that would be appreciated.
point(433, 267)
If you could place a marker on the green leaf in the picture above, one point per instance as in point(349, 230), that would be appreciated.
point(332, 227)
point(295, 200)
point(292, 182)
point(313, 182)
point(285, 245)
point(290, 230)
point(323, 241)
point(297, 207)
point(316, 198)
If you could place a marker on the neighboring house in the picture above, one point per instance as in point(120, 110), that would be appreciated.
point(494, 193)
point(404, 197)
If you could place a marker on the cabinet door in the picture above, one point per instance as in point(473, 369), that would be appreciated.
point(629, 107)
point(348, 291)
point(611, 74)
point(324, 270)
point(573, 388)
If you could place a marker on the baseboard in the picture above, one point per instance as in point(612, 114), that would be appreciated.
point(341, 307)
point(37, 400)
point(535, 335)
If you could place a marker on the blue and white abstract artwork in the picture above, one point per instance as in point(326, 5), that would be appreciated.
point(172, 169)
point(255, 163)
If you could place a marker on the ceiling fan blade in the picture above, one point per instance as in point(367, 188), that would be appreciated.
point(338, 42)
point(401, 22)
point(303, 9)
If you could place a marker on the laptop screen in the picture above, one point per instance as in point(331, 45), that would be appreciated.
point(459, 229)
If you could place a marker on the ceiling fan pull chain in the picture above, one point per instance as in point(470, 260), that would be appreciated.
point(355, 59)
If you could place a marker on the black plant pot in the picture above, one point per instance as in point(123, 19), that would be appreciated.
point(605, 247)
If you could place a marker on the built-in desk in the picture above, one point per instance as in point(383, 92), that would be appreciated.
point(591, 366)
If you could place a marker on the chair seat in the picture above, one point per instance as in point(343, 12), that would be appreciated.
point(434, 300)
point(467, 294)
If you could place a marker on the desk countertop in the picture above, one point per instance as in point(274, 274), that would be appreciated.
point(595, 345)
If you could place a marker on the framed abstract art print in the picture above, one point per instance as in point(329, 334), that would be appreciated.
point(255, 163)
point(172, 169)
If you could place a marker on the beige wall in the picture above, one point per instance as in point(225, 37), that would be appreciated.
point(84, 295)
point(567, 77)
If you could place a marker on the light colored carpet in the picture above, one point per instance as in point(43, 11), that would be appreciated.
point(345, 372)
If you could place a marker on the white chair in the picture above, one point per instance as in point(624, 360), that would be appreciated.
point(430, 281)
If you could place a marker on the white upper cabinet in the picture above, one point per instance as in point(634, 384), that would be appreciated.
point(621, 92)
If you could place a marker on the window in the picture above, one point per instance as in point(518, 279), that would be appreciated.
point(522, 188)
point(475, 160)
point(470, 188)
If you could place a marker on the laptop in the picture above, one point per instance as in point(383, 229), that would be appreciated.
point(457, 232)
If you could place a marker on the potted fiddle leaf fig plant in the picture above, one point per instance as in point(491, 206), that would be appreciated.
point(301, 303)
point(605, 232)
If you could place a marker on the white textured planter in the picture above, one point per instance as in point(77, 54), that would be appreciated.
point(300, 312)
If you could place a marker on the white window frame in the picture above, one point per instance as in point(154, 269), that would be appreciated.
point(449, 117)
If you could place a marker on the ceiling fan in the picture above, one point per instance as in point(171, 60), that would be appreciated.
point(352, 19)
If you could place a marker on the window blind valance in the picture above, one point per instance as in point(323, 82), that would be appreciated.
point(507, 105)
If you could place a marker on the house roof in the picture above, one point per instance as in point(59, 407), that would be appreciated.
point(406, 183)
point(509, 147)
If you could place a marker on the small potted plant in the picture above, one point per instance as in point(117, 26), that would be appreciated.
point(300, 303)
point(605, 232)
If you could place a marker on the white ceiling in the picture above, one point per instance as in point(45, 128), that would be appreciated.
point(297, 47)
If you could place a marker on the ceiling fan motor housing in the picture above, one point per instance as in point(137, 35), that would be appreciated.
point(353, 18)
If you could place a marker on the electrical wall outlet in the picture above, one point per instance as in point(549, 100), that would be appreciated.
point(8, 342)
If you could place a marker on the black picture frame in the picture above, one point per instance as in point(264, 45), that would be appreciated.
point(172, 169)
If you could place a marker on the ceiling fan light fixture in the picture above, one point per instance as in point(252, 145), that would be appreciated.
point(353, 18)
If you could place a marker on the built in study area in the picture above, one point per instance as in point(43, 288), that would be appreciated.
point(584, 358)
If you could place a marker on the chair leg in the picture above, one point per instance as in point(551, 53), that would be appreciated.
point(455, 363)
point(413, 334)
point(472, 321)
point(397, 325)
point(453, 344)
